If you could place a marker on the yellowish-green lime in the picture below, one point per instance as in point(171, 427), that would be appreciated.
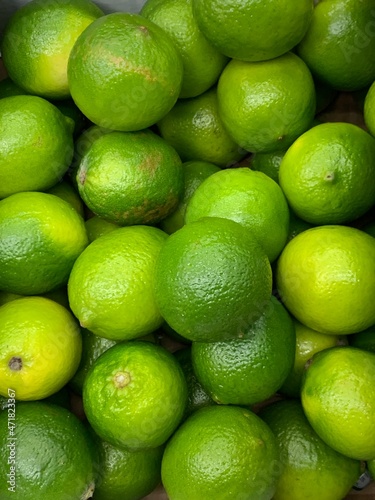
point(40, 346)
point(96, 227)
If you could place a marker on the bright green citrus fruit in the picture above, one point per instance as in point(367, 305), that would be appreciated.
point(250, 198)
point(127, 473)
point(70, 110)
point(96, 227)
point(131, 178)
point(40, 346)
point(251, 369)
point(253, 31)
point(202, 63)
point(66, 192)
point(338, 401)
point(197, 396)
point(266, 105)
point(124, 72)
point(328, 174)
point(9, 89)
point(340, 43)
point(212, 280)
point(37, 42)
point(92, 347)
point(111, 285)
point(311, 469)
point(364, 340)
point(369, 109)
point(308, 343)
point(268, 163)
point(52, 454)
point(221, 452)
point(41, 236)
point(141, 387)
point(194, 128)
point(325, 277)
point(36, 144)
point(194, 173)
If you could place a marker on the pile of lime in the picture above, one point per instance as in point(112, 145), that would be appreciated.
point(187, 250)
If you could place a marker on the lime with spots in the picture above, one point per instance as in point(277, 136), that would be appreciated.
point(194, 173)
point(194, 128)
point(51, 453)
point(221, 449)
point(212, 280)
point(266, 105)
point(337, 401)
point(202, 63)
point(36, 144)
point(40, 347)
point(110, 287)
point(124, 72)
point(141, 387)
point(41, 236)
point(311, 468)
point(250, 198)
point(37, 42)
point(131, 178)
point(325, 278)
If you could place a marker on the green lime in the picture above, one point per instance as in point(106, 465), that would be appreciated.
point(45, 455)
point(297, 225)
point(41, 236)
point(194, 128)
point(202, 63)
point(139, 385)
point(328, 174)
point(251, 369)
point(66, 192)
point(312, 469)
point(131, 178)
point(268, 163)
point(221, 451)
point(110, 288)
point(8, 88)
point(253, 31)
point(212, 280)
point(130, 474)
point(250, 198)
point(124, 72)
point(338, 403)
point(36, 142)
point(37, 41)
point(364, 340)
point(266, 105)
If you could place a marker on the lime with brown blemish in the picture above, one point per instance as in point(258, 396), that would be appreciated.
point(40, 346)
point(124, 72)
point(131, 178)
point(135, 395)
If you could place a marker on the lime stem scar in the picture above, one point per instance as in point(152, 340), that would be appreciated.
point(15, 364)
point(121, 379)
